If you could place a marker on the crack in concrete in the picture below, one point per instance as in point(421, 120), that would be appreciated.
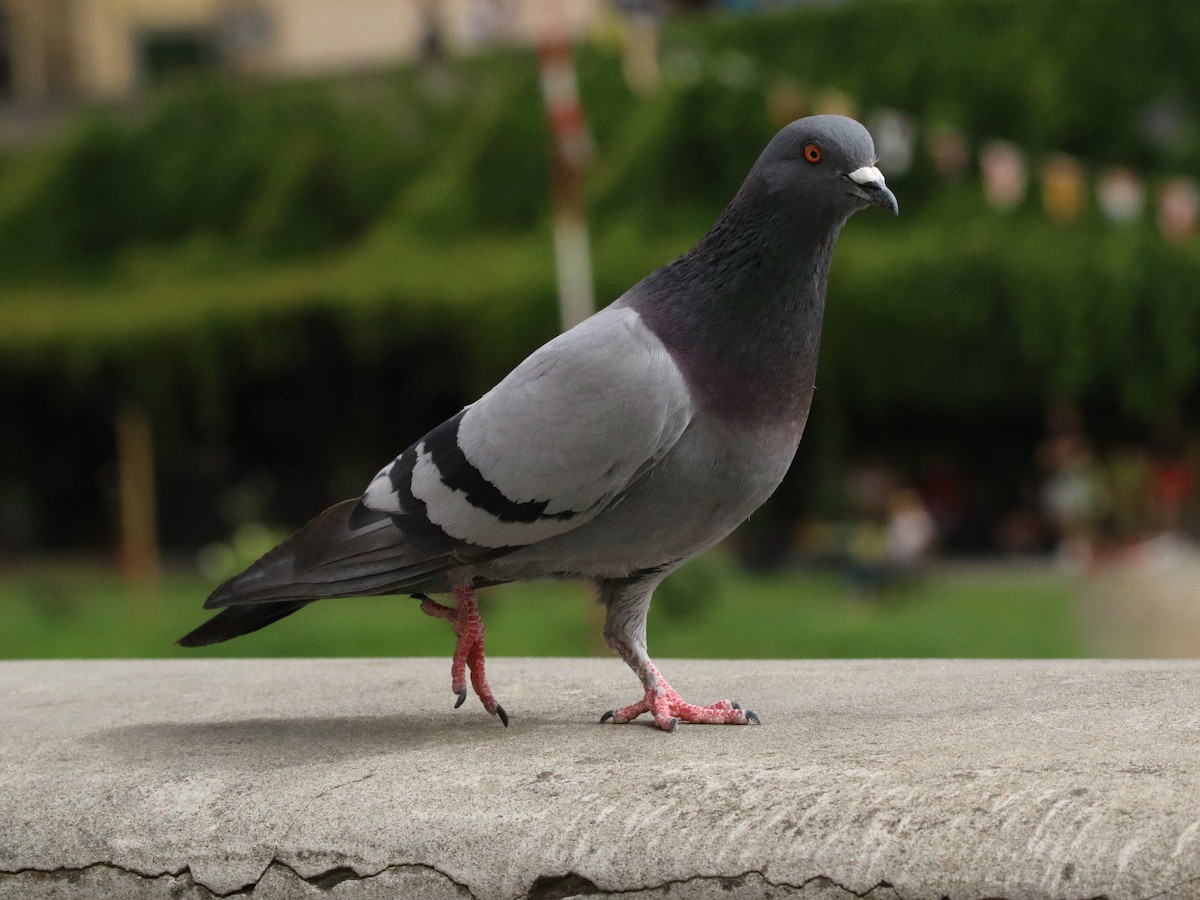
point(70, 872)
point(1195, 879)
point(336, 875)
point(544, 887)
point(324, 880)
point(300, 812)
point(877, 886)
point(99, 864)
point(303, 809)
point(558, 887)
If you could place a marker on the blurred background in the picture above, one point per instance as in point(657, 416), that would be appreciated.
point(251, 249)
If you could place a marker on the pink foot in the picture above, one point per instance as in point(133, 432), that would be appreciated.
point(468, 652)
point(669, 709)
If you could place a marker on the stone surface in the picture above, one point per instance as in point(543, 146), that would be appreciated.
point(895, 780)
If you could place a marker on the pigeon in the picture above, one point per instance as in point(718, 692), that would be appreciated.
point(616, 452)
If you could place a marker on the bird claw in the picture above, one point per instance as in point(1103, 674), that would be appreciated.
point(468, 650)
point(669, 709)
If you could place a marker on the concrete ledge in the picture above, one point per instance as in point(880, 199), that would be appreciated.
point(355, 778)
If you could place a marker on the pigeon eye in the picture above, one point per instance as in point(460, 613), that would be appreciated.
point(812, 153)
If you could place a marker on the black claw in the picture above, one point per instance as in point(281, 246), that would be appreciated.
point(462, 698)
point(502, 714)
point(752, 716)
point(608, 715)
point(674, 726)
point(736, 705)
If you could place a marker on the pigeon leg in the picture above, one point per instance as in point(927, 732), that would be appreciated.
point(468, 651)
point(625, 633)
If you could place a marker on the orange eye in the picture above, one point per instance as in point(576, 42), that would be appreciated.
point(812, 153)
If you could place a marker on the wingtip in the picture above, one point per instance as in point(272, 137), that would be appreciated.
point(202, 635)
point(192, 639)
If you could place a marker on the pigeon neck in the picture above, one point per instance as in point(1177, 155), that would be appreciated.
point(741, 313)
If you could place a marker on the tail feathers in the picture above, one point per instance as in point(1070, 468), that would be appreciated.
point(346, 551)
point(238, 620)
point(311, 586)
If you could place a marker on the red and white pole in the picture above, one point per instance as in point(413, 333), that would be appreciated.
point(569, 162)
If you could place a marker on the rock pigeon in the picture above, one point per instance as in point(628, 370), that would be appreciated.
point(615, 453)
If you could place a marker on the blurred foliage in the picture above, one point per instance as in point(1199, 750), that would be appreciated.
point(1077, 76)
point(964, 311)
point(193, 244)
point(287, 170)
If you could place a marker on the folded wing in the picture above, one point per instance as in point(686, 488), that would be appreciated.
point(548, 448)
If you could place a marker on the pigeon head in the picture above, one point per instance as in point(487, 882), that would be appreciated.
point(741, 311)
point(825, 166)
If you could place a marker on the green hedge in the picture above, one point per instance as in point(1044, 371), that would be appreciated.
point(1070, 75)
point(277, 171)
point(292, 169)
point(970, 310)
point(419, 196)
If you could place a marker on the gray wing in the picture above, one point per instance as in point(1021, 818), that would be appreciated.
point(547, 449)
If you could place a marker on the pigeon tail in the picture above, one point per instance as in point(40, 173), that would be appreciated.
point(238, 620)
point(346, 551)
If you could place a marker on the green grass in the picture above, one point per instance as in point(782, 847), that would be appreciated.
point(88, 612)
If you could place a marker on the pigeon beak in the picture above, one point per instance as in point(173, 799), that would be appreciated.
point(869, 184)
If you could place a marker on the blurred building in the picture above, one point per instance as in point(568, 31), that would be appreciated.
point(54, 51)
